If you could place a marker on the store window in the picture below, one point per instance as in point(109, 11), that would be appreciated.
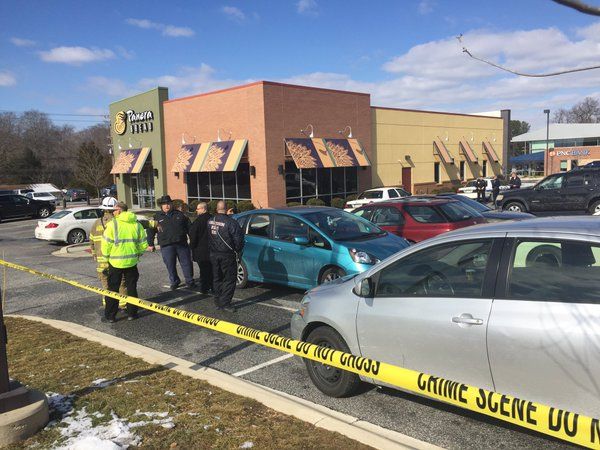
point(564, 165)
point(325, 184)
point(208, 186)
point(436, 172)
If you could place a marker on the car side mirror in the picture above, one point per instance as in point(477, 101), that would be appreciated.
point(301, 240)
point(364, 288)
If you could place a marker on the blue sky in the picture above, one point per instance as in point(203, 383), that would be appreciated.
point(77, 57)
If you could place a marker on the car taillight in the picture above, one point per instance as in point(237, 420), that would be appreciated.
point(52, 225)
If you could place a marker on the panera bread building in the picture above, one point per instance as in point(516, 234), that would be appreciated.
point(274, 143)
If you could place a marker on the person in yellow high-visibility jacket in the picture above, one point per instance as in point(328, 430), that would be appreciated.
point(95, 247)
point(123, 243)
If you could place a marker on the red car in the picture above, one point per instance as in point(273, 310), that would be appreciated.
point(417, 219)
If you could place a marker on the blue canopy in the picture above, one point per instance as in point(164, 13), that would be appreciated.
point(528, 158)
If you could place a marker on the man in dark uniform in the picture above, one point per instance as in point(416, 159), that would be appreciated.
point(480, 186)
point(172, 227)
point(496, 183)
point(226, 242)
point(514, 181)
point(199, 245)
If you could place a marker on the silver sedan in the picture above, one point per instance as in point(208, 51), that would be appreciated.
point(511, 307)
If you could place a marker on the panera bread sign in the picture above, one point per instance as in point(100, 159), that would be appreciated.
point(137, 122)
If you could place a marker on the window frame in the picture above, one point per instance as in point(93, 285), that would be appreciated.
point(269, 228)
point(507, 260)
point(274, 217)
point(489, 284)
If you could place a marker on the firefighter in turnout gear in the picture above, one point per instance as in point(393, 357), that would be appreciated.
point(101, 260)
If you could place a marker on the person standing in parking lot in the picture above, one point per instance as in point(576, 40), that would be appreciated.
point(96, 247)
point(514, 182)
point(123, 243)
point(480, 185)
point(171, 227)
point(496, 183)
point(226, 242)
point(199, 246)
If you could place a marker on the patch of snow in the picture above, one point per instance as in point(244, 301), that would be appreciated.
point(170, 393)
point(151, 414)
point(61, 404)
point(193, 414)
point(46, 349)
point(132, 381)
point(247, 444)
point(165, 423)
point(102, 383)
point(206, 427)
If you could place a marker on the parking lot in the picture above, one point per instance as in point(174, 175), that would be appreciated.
point(262, 307)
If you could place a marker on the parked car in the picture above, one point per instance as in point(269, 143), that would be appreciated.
point(491, 215)
point(469, 190)
point(72, 226)
point(306, 246)
point(376, 195)
point(419, 218)
point(14, 206)
point(75, 195)
point(46, 196)
point(576, 191)
point(506, 307)
point(23, 192)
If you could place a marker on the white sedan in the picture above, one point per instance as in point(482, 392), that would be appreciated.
point(72, 226)
point(375, 195)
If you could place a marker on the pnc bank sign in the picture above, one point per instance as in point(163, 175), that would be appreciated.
point(137, 122)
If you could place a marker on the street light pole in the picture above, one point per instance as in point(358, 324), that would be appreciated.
point(547, 112)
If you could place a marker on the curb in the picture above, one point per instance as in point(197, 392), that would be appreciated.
point(320, 416)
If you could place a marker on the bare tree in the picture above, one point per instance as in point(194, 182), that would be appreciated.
point(586, 111)
point(93, 166)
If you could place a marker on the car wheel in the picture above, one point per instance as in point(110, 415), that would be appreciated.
point(595, 207)
point(44, 212)
point(241, 281)
point(330, 274)
point(330, 380)
point(514, 207)
point(76, 236)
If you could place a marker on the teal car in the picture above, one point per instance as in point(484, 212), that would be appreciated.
point(305, 246)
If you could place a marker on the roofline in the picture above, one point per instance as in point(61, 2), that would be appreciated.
point(138, 94)
point(434, 112)
point(265, 83)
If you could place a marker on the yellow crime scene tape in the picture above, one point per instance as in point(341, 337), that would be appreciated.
point(555, 422)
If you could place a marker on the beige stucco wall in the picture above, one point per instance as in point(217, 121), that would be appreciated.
point(397, 133)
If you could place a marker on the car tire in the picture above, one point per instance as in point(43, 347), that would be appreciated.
point(241, 281)
point(330, 274)
point(594, 207)
point(76, 236)
point(514, 207)
point(330, 380)
point(43, 212)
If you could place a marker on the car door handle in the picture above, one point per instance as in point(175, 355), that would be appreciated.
point(467, 320)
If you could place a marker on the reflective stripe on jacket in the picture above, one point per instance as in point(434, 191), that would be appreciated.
point(124, 241)
point(96, 240)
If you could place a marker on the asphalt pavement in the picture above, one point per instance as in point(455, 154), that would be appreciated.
point(264, 307)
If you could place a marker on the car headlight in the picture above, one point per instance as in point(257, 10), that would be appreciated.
point(361, 257)
point(500, 197)
point(304, 304)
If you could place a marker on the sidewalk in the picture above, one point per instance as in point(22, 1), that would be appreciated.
point(319, 416)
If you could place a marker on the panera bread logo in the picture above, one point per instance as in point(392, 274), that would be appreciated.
point(142, 122)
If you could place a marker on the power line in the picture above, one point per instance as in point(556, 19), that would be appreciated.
point(58, 114)
point(522, 74)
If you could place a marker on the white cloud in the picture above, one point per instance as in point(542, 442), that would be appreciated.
point(166, 30)
point(76, 55)
point(307, 7)
point(124, 53)
point(7, 79)
point(112, 87)
point(425, 7)
point(19, 42)
point(234, 13)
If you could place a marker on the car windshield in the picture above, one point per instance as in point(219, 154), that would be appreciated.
point(60, 214)
point(479, 207)
point(456, 212)
point(370, 194)
point(342, 226)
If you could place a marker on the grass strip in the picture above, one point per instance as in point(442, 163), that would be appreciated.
point(110, 389)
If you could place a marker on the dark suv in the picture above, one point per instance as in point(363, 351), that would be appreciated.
point(12, 206)
point(73, 195)
point(577, 190)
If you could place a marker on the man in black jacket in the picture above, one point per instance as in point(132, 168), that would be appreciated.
point(480, 186)
point(226, 242)
point(514, 181)
point(199, 245)
point(173, 229)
